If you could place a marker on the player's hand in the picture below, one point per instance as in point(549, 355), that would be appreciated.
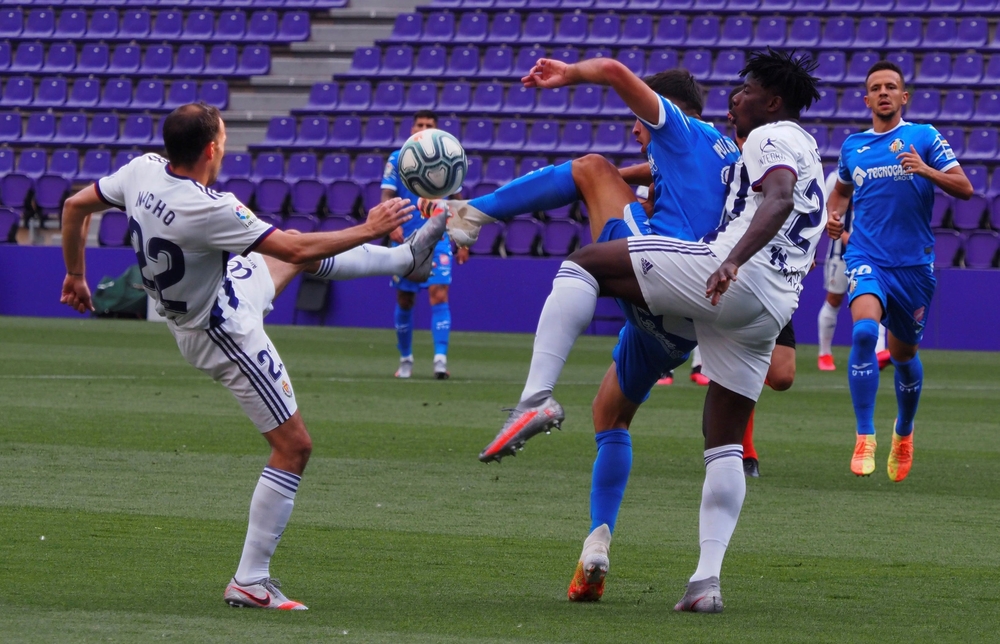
point(462, 254)
point(650, 201)
point(719, 281)
point(548, 74)
point(912, 163)
point(834, 226)
point(389, 215)
point(76, 294)
point(397, 235)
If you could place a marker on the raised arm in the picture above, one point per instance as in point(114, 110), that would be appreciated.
point(637, 175)
point(643, 101)
point(75, 224)
point(953, 181)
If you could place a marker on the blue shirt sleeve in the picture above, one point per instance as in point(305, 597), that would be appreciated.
point(937, 152)
point(390, 176)
point(843, 172)
point(674, 129)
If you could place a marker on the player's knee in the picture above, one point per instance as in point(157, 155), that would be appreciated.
point(865, 334)
point(781, 381)
point(591, 167)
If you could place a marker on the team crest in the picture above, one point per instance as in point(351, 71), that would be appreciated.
point(853, 285)
point(443, 260)
point(896, 146)
point(766, 145)
point(244, 214)
point(287, 388)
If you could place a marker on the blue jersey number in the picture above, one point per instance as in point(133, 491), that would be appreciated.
point(160, 252)
point(809, 219)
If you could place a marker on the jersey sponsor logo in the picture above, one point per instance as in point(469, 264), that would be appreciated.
point(772, 158)
point(443, 259)
point(918, 315)
point(859, 176)
point(894, 172)
point(863, 148)
point(245, 215)
point(896, 146)
point(645, 264)
point(767, 144)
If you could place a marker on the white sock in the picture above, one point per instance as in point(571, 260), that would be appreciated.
point(695, 358)
point(567, 312)
point(827, 326)
point(270, 508)
point(366, 260)
point(880, 345)
point(721, 502)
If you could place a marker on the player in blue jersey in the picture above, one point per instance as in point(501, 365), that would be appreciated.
point(436, 285)
point(890, 171)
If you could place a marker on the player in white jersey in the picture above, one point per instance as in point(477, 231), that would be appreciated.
point(183, 233)
point(739, 286)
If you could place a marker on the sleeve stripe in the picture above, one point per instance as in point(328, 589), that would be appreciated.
point(953, 164)
point(757, 184)
point(256, 243)
point(102, 197)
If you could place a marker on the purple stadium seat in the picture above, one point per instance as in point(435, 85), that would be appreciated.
point(31, 162)
point(905, 33)
point(941, 33)
point(103, 25)
point(586, 100)
point(717, 102)
point(271, 194)
point(499, 170)
point(397, 61)
point(18, 92)
point(11, 23)
point(935, 68)
point(302, 222)
point(263, 26)
point(861, 62)
point(96, 164)
point(366, 61)
point(455, 97)
point(388, 96)
point(307, 196)
point(450, 125)
point(125, 59)
point(59, 59)
point(41, 128)
point(967, 70)
point(490, 238)
point(113, 230)
point(698, 62)
point(471, 27)
point(661, 60)
point(522, 236)
point(6, 161)
point(72, 24)
point(50, 192)
point(255, 60)
point(876, 6)
point(28, 57)
point(530, 164)
point(313, 132)
point(136, 24)
point(924, 105)
point(968, 6)
point(822, 137)
point(280, 132)
point(356, 96)
point(368, 168)
point(981, 249)
point(519, 100)
point(236, 165)
point(475, 172)
point(982, 145)
point(559, 237)
point(596, 52)
point(804, 33)
point(215, 92)
point(609, 137)
point(709, 5)
point(604, 30)
point(852, 105)
point(159, 59)
point(345, 132)
point(543, 136)
point(408, 27)
point(430, 61)
point(167, 26)
point(10, 127)
point(988, 108)
point(323, 97)
point(138, 130)
point(572, 28)
point(737, 31)
point(117, 94)
point(770, 32)
point(15, 188)
point(538, 28)
point(568, 55)
point(439, 27)
point(506, 27)
point(463, 61)
point(294, 27)
point(838, 135)
point(10, 222)
point(421, 96)
point(947, 244)
point(302, 165)
point(637, 30)
point(838, 33)
point(727, 67)
point(958, 105)
point(825, 107)
point(872, 33)
point(103, 129)
point(93, 59)
point(181, 92)
point(333, 223)
point(905, 60)
point(576, 137)
point(268, 166)
point(231, 26)
point(634, 59)
point(379, 132)
point(832, 66)
point(510, 135)
point(478, 134)
point(955, 137)
point(671, 31)
point(553, 101)
point(972, 32)
point(704, 32)
point(614, 105)
point(487, 97)
point(842, 6)
point(991, 76)
point(497, 62)
point(40, 23)
point(71, 128)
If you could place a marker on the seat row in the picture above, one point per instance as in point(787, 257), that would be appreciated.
point(159, 60)
point(640, 30)
point(726, 6)
point(433, 62)
point(104, 129)
point(954, 106)
point(117, 94)
point(980, 144)
point(194, 4)
point(262, 26)
point(969, 250)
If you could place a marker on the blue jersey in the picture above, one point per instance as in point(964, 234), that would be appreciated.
point(391, 181)
point(892, 209)
point(687, 158)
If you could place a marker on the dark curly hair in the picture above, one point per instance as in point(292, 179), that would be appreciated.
point(786, 75)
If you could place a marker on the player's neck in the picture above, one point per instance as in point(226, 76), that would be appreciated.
point(199, 172)
point(881, 126)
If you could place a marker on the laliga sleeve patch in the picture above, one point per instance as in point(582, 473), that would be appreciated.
point(245, 215)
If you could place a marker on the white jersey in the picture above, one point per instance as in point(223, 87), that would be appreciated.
point(837, 248)
point(182, 234)
point(775, 273)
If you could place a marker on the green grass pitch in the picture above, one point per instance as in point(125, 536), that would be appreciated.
point(138, 471)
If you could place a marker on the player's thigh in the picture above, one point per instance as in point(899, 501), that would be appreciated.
point(609, 264)
point(640, 360)
point(622, 226)
point(601, 187)
point(241, 357)
point(611, 408)
point(249, 288)
point(910, 291)
point(738, 359)
point(866, 289)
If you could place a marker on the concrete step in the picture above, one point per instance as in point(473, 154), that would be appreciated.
point(298, 66)
point(377, 8)
point(355, 35)
point(239, 135)
point(280, 102)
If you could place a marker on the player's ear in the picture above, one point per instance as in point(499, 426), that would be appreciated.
point(906, 97)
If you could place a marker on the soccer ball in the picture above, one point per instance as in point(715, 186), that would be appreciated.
point(432, 164)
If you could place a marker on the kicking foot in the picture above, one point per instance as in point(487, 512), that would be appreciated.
point(825, 363)
point(260, 594)
point(522, 424)
point(900, 456)
point(422, 243)
point(863, 461)
point(702, 596)
point(588, 580)
point(465, 220)
point(751, 467)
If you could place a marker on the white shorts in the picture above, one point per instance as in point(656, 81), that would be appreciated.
point(835, 275)
point(736, 337)
point(237, 352)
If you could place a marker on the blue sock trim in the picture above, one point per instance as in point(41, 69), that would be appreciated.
point(441, 327)
point(611, 471)
point(863, 374)
point(909, 380)
point(404, 331)
point(543, 189)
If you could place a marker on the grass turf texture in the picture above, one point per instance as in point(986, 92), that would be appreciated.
point(138, 471)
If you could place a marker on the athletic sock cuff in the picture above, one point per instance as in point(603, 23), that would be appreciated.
point(282, 482)
point(613, 437)
point(572, 271)
point(325, 268)
point(723, 451)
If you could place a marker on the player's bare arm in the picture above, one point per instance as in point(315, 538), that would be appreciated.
point(643, 101)
point(775, 208)
point(954, 182)
point(298, 249)
point(637, 175)
point(397, 234)
point(836, 205)
point(76, 222)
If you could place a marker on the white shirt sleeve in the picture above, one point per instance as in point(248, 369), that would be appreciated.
point(233, 227)
point(765, 150)
point(111, 189)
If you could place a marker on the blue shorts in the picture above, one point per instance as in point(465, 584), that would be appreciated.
point(440, 273)
point(640, 358)
point(905, 293)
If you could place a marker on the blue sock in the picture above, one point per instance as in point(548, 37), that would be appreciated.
point(404, 331)
point(440, 327)
point(543, 189)
point(909, 382)
point(611, 470)
point(862, 375)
